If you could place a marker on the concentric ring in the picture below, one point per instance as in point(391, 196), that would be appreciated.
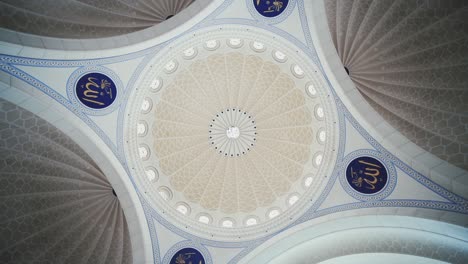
point(232, 134)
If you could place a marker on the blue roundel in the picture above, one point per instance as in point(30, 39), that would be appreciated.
point(187, 256)
point(366, 175)
point(96, 90)
point(270, 8)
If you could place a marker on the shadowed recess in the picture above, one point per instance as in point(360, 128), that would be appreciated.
point(83, 19)
point(56, 205)
point(409, 60)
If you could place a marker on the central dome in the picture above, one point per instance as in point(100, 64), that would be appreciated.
point(230, 137)
point(232, 132)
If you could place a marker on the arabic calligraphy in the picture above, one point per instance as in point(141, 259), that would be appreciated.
point(96, 90)
point(366, 175)
point(188, 256)
point(270, 8)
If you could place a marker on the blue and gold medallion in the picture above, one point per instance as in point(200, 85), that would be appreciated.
point(366, 175)
point(187, 256)
point(270, 8)
point(95, 90)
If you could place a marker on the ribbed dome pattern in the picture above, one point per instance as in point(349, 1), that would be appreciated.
point(409, 59)
point(56, 205)
point(86, 18)
point(211, 166)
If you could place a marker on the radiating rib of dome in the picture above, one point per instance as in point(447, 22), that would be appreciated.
point(86, 18)
point(56, 205)
point(409, 59)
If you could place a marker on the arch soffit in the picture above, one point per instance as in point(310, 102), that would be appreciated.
point(364, 234)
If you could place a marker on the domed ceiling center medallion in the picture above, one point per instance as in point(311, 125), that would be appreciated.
point(230, 138)
point(232, 132)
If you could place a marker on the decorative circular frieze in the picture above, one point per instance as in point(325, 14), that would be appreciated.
point(94, 89)
point(156, 85)
point(212, 44)
point(235, 43)
point(171, 66)
point(279, 56)
point(190, 53)
point(367, 177)
point(257, 46)
point(231, 133)
point(297, 71)
point(152, 174)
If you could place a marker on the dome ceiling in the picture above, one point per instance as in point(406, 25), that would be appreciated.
point(86, 18)
point(57, 206)
point(266, 154)
point(231, 133)
point(409, 60)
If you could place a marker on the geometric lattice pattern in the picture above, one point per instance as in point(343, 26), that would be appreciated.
point(86, 18)
point(56, 205)
point(216, 180)
point(409, 59)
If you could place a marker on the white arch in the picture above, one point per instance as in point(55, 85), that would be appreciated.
point(309, 243)
point(381, 258)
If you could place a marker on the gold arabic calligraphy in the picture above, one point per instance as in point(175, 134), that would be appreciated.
point(181, 259)
point(373, 171)
point(92, 93)
point(275, 6)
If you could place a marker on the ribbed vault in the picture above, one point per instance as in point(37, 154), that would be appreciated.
point(86, 18)
point(409, 60)
point(57, 206)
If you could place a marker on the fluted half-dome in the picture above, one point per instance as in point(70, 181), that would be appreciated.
point(56, 205)
point(86, 18)
point(409, 60)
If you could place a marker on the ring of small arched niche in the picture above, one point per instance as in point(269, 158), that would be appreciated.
point(156, 187)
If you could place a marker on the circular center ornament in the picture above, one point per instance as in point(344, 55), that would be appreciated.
point(232, 132)
point(96, 90)
point(366, 175)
